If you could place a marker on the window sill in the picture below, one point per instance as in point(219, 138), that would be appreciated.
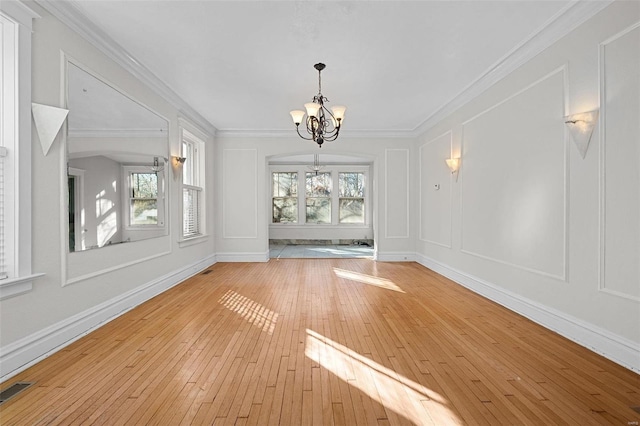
point(15, 286)
point(193, 241)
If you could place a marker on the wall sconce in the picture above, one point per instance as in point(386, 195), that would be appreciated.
point(581, 127)
point(179, 161)
point(454, 165)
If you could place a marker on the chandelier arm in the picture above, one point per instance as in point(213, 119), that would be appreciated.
point(300, 134)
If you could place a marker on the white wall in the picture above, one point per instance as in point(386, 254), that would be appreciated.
point(243, 188)
point(102, 209)
point(529, 222)
point(81, 290)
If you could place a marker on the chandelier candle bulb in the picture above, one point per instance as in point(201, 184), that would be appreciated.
point(297, 116)
point(338, 112)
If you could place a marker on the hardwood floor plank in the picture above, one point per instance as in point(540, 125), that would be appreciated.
point(323, 342)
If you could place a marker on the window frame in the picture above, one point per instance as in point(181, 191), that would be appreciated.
point(296, 196)
point(193, 141)
point(15, 116)
point(363, 198)
point(334, 169)
point(160, 198)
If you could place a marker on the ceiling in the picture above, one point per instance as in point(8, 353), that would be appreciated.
point(243, 65)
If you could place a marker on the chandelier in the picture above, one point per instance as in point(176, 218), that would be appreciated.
point(322, 124)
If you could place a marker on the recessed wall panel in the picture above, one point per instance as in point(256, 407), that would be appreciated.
point(621, 164)
point(435, 191)
point(239, 193)
point(397, 193)
point(513, 180)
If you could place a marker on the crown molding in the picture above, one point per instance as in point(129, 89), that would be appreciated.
point(19, 12)
point(558, 26)
point(70, 15)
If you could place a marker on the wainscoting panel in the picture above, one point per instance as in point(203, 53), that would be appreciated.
point(513, 180)
point(435, 191)
point(620, 164)
point(240, 193)
point(396, 192)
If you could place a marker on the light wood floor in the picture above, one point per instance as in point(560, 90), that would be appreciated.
point(327, 341)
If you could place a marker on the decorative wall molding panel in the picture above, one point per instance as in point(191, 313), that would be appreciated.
point(620, 164)
point(436, 190)
point(24, 353)
point(510, 212)
point(396, 194)
point(616, 348)
point(239, 193)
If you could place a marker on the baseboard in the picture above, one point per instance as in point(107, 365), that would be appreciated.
point(22, 354)
point(613, 347)
point(395, 257)
point(243, 257)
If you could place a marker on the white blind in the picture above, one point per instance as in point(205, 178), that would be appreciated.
point(3, 270)
point(191, 211)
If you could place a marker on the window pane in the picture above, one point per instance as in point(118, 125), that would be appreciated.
point(187, 166)
point(318, 185)
point(144, 185)
point(318, 210)
point(285, 184)
point(144, 212)
point(190, 212)
point(285, 210)
point(352, 210)
point(351, 185)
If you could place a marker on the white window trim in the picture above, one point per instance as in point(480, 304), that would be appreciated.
point(297, 197)
point(201, 139)
point(17, 140)
point(161, 199)
point(302, 170)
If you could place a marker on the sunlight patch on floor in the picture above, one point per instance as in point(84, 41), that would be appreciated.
point(252, 311)
point(395, 392)
point(367, 279)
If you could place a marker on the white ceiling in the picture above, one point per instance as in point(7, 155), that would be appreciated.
point(243, 65)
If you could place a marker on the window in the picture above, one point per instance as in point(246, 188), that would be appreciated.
point(143, 199)
point(351, 197)
point(285, 197)
point(318, 197)
point(192, 185)
point(15, 149)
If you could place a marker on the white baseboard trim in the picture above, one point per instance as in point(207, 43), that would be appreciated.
point(24, 353)
point(395, 257)
point(243, 257)
point(613, 347)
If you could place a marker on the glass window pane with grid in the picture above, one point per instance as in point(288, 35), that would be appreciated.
point(318, 197)
point(284, 197)
point(351, 197)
